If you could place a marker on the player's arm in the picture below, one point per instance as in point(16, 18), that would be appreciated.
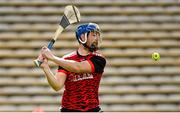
point(69, 65)
point(95, 64)
point(73, 66)
point(55, 81)
point(92, 65)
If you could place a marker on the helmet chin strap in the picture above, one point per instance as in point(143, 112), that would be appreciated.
point(83, 42)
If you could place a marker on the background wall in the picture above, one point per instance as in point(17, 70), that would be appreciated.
point(132, 31)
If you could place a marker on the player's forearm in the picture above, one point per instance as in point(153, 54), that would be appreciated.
point(69, 65)
point(51, 79)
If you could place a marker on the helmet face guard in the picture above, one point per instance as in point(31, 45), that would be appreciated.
point(86, 29)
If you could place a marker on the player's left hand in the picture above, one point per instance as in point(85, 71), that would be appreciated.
point(47, 53)
point(44, 63)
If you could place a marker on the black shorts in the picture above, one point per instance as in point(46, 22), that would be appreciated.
point(97, 109)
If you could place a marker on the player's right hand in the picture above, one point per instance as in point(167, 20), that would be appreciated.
point(46, 53)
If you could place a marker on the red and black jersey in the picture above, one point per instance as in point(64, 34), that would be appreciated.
point(81, 90)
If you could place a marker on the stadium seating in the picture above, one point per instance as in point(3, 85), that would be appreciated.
point(131, 29)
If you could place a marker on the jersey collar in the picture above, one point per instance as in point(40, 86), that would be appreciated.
point(81, 55)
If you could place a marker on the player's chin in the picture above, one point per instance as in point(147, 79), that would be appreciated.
point(95, 44)
point(96, 47)
point(93, 47)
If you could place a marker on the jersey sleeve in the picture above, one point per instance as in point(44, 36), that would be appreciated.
point(61, 69)
point(97, 64)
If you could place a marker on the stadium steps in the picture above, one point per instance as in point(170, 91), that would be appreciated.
point(104, 27)
point(111, 53)
point(49, 8)
point(168, 43)
point(134, 30)
point(93, 11)
point(115, 62)
point(119, 107)
point(89, 3)
point(109, 71)
point(29, 108)
point(124, 9)
point(116, 90)
point(106, 19)
point(143, 108)
point(107, 81)
point(106, 36)
point(120, 99)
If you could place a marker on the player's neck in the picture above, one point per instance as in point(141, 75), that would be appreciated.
point(83, 51)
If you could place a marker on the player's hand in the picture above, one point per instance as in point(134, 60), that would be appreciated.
point(45, 63)
point(43, 60)
point(40, 57)
point(46, 53)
